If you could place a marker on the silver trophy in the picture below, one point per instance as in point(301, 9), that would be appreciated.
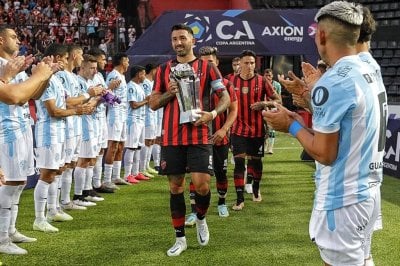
point(188, 92)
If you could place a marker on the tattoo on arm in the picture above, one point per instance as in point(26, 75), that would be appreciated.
point(165, 98)
point(224, 101)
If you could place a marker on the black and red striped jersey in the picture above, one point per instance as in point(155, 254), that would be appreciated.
point(249, 123)
point(220, 120)
point(173, 133)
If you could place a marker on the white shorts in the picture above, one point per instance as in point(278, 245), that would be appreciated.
point(103, 133)
point(150, 132)
point(52, 157)
point(89, 149)
point(135, 136)
point(117, 132)
point(343, 236)
point(78, 140)
point(17, 159)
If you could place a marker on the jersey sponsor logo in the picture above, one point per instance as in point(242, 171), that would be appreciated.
point(343, 71)
point(320, 95)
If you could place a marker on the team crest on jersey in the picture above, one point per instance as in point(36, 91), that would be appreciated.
point(245, 90)
point(320, 95)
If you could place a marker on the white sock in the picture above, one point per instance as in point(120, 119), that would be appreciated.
point(147, 165)
point(135, 165)
point(156, 154)
point(143, 155)
point(14, 208)
point(98, 168)
point(57, 179)
point(116, 170)
point(6, 193)
point(52, 197)
point(66, 182)
point(40, 196)
point(89, 178)
point(79, 176)
point(108, 168)
point(128, 161)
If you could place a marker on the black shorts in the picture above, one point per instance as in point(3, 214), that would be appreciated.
point(220, 154)
point(251, 146)
point(178, 160)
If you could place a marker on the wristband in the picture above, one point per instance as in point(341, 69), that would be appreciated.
point(214, 114)
point(86, 95)
point(294, 128)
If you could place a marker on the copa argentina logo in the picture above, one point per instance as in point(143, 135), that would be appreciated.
point(200, 26)
point(225, 30)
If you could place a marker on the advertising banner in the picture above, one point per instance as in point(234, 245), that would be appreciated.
point(266, 32)
point(391, 160)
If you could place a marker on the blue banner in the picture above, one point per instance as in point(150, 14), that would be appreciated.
point(266, 32)
point(391, 160)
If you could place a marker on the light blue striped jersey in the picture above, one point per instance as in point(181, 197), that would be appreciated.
point(90, 125)
point(50, 130)
point(98, 80)
point(350, 99)
point(151, 116)
point(72, 89)
point(14, 119)
point(136, 94)
point(118, 112)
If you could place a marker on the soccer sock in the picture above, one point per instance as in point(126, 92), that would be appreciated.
point(66, 182)
point(128, 161)
point(108, 168)
point(238, 177)
point(156, 154)
point(40, 195)
point(14, 208)
point(52, 197)
point(143, 155)
point(135, 164)
point(202, 204)
point(249, 172)
point(192, 195)
point(89, 178)
point(258, 167)
point(116, 170)
point(147, 165)
point(80, 177)
point(6, 193)
point(98, 168)
point(57, 179)
point(178, 211)
point(222, 186)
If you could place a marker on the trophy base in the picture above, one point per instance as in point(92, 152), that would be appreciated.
point(189, 116)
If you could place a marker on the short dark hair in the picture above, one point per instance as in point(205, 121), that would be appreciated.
point(368, 26)
point(182, 27)
point(248, 53)
point(87, 58)
point(116, 60)
point(56, 49)
point(268, 70)
point(208, 50)
point(135, 69)
point(149, 67)
point(236, 59)
point(95, 51)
